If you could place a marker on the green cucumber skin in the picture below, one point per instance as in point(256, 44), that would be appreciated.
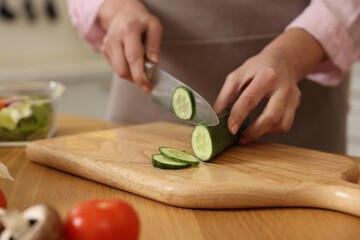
point(158, 164)
point(178, 160)
point(182, 161)
point(220, 136)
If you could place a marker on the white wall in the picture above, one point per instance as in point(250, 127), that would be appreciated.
point(354, 114)
point(42, 41)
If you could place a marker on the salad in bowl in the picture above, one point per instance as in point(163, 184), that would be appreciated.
point(28, 111)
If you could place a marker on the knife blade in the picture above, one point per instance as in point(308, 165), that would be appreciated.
point(164, 86)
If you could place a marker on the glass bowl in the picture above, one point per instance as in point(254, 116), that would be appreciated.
point(28, 111)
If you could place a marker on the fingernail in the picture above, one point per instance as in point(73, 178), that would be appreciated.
point(234, 128)
point(146, 89)
point(154, 58)
point(217, 109)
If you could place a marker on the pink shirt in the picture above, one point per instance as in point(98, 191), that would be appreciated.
point(335, 24)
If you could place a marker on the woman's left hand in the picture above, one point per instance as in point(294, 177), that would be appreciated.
point(273, 74)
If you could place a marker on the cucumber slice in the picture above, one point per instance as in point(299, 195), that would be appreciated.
point(183, 103)
point(208, 141)
point(202, 143)
point(178, 155)
point(159, 161)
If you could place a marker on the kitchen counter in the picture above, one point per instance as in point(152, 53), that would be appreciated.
point(35, 183)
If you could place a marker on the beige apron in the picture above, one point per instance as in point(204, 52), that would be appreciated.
point(205, 40)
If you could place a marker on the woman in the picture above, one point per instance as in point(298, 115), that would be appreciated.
point(224, 48)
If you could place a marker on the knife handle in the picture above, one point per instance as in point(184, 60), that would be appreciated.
point(149, 69)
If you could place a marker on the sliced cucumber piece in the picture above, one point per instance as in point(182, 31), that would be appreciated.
point(202, 143)
point(159, 161)
point(183, 103)
point(208, 141)
point(178, 155)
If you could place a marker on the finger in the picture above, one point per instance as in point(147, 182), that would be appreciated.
point(229, 91)
point(153, 39)
point(259, 87)
point(287, 120)
point(270, 117)
point(115, 55)
point(134, 54)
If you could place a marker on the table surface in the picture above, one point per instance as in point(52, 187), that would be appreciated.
point(35, 183)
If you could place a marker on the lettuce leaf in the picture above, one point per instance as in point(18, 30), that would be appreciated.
point(36, 126)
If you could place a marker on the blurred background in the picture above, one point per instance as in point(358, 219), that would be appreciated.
point(353, 127)
point(37, 42)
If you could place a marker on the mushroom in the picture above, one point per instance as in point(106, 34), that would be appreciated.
point(39, 222)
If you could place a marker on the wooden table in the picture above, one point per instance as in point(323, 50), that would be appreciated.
point(38, 184)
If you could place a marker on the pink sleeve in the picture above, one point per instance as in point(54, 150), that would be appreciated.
point(83, 16)
point(335, 24)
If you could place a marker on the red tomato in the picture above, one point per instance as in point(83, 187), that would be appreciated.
point(2, 104)
point(3, 203)
point(102, 219)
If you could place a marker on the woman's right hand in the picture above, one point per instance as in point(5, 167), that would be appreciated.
point(130, 28)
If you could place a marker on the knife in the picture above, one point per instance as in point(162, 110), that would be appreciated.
point(164, 86)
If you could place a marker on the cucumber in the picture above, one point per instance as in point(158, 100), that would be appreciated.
point(208, 141)
point(183, 103)
point(159, 161)
point(178, 155)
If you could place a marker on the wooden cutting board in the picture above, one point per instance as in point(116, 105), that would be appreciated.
point(257, 175)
